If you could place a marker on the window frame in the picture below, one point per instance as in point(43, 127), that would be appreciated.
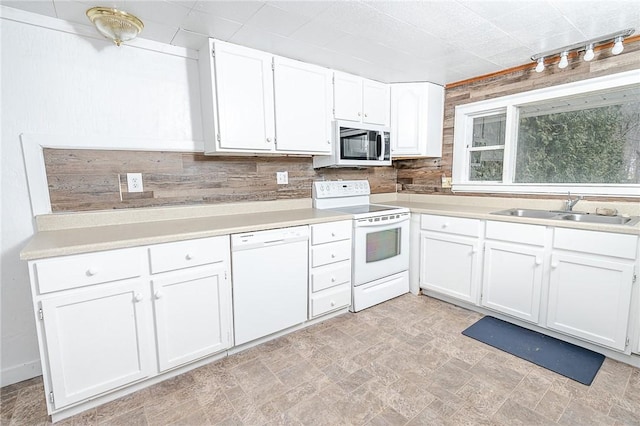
point(463, 133)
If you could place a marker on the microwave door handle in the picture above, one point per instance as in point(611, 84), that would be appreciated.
point(379, 146)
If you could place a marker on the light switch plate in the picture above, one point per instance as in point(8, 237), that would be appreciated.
point(134, 182)
point(282, 178)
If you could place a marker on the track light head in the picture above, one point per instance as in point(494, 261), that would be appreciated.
point(617, 46)
point(540, 66)
point(588, 52)
point(563, 60)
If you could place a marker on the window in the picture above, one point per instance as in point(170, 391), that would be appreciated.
point(582, 137)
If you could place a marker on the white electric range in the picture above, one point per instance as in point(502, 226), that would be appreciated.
point(380, 253)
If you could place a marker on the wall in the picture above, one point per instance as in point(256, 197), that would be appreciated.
point(55, 82)
point(95, 180)
point(423, 176)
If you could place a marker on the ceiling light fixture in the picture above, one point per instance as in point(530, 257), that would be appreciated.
point(588, 46)
point(617, 46)
point(115, 24)
point(563, 60)
point(588, 52)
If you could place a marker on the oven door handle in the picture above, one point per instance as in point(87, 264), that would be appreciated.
point(365, 222)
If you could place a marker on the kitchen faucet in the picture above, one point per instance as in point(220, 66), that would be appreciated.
point(569, 203)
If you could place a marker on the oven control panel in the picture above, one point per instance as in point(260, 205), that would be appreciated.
point(340, 188)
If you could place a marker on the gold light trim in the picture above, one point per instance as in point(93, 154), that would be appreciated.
point(115, 24)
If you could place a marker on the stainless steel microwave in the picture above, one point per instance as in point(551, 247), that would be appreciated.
point(357, 145)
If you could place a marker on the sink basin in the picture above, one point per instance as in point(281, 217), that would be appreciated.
point(573, 216)
point(539, 214)
point(591, 218)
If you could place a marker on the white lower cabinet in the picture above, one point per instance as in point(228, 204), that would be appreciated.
point(450, 256)
point(513, 268)
point(192, 304)
point(97, 339)
point(96, 321)
point(192, 315)
point(330, 267)
point(590, 294)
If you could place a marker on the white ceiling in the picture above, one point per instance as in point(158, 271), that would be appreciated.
point(391, 41)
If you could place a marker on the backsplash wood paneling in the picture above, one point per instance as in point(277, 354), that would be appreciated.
point(81, 180)
point(424, 176)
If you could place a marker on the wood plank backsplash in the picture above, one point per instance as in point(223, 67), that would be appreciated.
point(84, 179)
point(424, 176)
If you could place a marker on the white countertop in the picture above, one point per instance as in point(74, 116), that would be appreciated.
point(74, 233)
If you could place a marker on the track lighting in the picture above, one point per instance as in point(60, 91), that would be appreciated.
point(563, 60)
point(617, 46)
point(588, 46)
point(588, 52)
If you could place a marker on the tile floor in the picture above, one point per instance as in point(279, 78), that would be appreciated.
point(403, 362)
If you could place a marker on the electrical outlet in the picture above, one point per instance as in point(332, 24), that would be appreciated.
point(134, 182)
point(282, 178)
point(446, 182)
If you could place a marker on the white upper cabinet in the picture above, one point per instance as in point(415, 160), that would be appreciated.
point(359, 99)
point(417, 114)
point(302, 107)
point(239, 116)
point(253, 102)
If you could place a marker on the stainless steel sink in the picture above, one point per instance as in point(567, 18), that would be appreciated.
point(592, 218)
point(538, 214)
point(573, 216)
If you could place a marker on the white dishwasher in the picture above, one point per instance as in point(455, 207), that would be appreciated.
point(270, 273)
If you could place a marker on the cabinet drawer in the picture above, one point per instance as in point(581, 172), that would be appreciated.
point(330, 253)
point(451, 225)
point(63, 273)
point(329, 232)
point(330, 276)
point(184, 254)
point(516, 232)
point(330, 300)
point(595, 242)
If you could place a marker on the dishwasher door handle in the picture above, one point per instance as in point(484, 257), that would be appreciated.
point(273, 241)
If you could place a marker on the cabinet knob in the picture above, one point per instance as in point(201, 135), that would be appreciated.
point(333, 303)
point(538, 261)
point(333, 256)
point(365, 114)
point(333, 279)
point(554, 265)
point(158, 295)
point(359, 114)
point(188, 256)
point(474, 250)
point(91, 272)
point(268, 140)
point(138, 297)
point(333, 234)
point(328, 142)
point(445, 225)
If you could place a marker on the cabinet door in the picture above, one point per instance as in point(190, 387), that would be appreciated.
point(376, 102)
point(302, 107)
point(450, 265)
point(347, 96)
point(192, 313)
point(408, 108)
point(97, 340)
point(244, 90)
point(512, 279)
point(589, 297)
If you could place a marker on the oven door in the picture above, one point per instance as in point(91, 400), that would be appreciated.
point(381, 247)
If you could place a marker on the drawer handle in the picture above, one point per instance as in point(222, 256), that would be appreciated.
point(158, 295)
point(138, 297)
point(333, 303)
point(91, 272)
point(189, 256)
